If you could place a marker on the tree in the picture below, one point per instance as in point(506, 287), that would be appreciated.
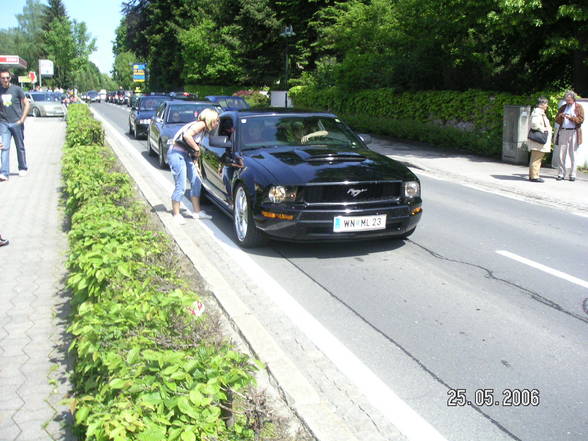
point(26, 39)
point(54, 11)
point(122, 72)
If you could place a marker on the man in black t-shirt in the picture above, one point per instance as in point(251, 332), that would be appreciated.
point(14, 109)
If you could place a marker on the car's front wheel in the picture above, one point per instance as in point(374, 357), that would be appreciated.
point(36, 112)
point(246, 232)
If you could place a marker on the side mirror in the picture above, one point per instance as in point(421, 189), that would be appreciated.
point(365, 138)
point(220, 142)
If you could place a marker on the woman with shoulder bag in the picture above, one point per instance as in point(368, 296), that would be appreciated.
point(539, 123)
point(182, 158)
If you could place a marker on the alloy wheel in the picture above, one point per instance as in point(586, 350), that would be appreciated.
point(241, 214)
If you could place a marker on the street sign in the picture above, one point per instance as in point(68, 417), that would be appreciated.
point(46, 68)
point(13, 60)
point(139, 72)
point(33, 77)
point(24, 79)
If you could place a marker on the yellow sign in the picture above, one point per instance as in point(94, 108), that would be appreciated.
point(24, 79)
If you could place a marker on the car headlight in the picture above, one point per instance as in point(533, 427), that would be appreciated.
point(145, 121)
point(412, 189)
point(278, 194)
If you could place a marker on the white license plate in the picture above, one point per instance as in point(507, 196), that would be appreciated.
point(359, 223)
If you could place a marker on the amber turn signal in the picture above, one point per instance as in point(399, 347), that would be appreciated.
point(415, 211)
point(277, 215)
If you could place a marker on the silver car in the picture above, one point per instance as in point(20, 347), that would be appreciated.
point(45, 104)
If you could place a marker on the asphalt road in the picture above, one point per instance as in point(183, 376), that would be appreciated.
point(456, 307)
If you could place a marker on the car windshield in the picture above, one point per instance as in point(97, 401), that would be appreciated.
point(184, 113)
point(268, 131)
point(151, 103)
point(47, 97)
point(232, 103)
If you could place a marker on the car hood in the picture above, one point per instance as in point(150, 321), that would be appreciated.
point(299, 165)
point(145, 114)
point(48, 104)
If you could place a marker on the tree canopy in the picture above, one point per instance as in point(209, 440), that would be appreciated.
point(47, 32)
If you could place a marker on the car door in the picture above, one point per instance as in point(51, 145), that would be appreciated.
point(215, 159)
point(155, 127)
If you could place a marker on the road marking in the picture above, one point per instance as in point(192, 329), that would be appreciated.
point(409, 422)
point(544, 268)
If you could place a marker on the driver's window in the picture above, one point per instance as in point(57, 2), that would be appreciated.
point(225, 128)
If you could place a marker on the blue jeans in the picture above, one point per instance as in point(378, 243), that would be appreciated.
point(182, 166)
point(7, 131)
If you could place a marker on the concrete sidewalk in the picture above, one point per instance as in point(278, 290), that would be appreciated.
point(489, 175)
point(33, 315)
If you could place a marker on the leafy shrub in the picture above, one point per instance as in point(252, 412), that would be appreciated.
point(82, 128)
point(146, 367)
point(254, 98)
point(435, 117)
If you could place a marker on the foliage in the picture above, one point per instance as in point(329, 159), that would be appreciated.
point(47, 32)
point(471, 120)
point(146, 368)
point(122, 71)
point(254, 98)
point(208, 54)
point(508, 45)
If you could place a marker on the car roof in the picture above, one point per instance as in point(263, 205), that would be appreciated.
point(187, 102)
point(277, 111)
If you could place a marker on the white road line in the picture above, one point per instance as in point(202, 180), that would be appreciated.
point(410, 423)
point(544, 268)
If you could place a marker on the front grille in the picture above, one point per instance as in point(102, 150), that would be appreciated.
point(338, 193)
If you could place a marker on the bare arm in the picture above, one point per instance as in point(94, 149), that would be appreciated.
point(26, 106)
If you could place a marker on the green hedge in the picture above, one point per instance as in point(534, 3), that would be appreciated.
point(146, 367)
point(430, 116)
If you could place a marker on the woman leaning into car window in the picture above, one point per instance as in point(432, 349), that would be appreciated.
point(182, 158)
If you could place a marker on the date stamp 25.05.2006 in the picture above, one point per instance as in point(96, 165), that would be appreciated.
point(490, 397)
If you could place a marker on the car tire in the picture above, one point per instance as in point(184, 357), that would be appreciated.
point(247, 234)
point(149, 149)
point(36, 112)
point(162, 163)
point(135, 133)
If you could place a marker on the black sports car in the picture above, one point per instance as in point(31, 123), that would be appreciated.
point(305, 177)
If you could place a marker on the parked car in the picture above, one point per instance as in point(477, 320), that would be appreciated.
point(102, 95)
point(169, 118)
point(302, 176)
point(142, 112)
point(229, 102)
point(45, 104)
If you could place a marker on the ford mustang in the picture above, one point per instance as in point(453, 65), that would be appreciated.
point(303, 176)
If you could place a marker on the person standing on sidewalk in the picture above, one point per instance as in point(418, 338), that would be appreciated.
point(14, 109)
point(570, 117)
point(539, 122)
point(182, 158)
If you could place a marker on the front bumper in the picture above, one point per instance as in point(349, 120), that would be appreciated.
point(141, 128)
point(316, 224)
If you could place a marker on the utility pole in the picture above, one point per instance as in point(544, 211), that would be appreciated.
point(286, 33)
